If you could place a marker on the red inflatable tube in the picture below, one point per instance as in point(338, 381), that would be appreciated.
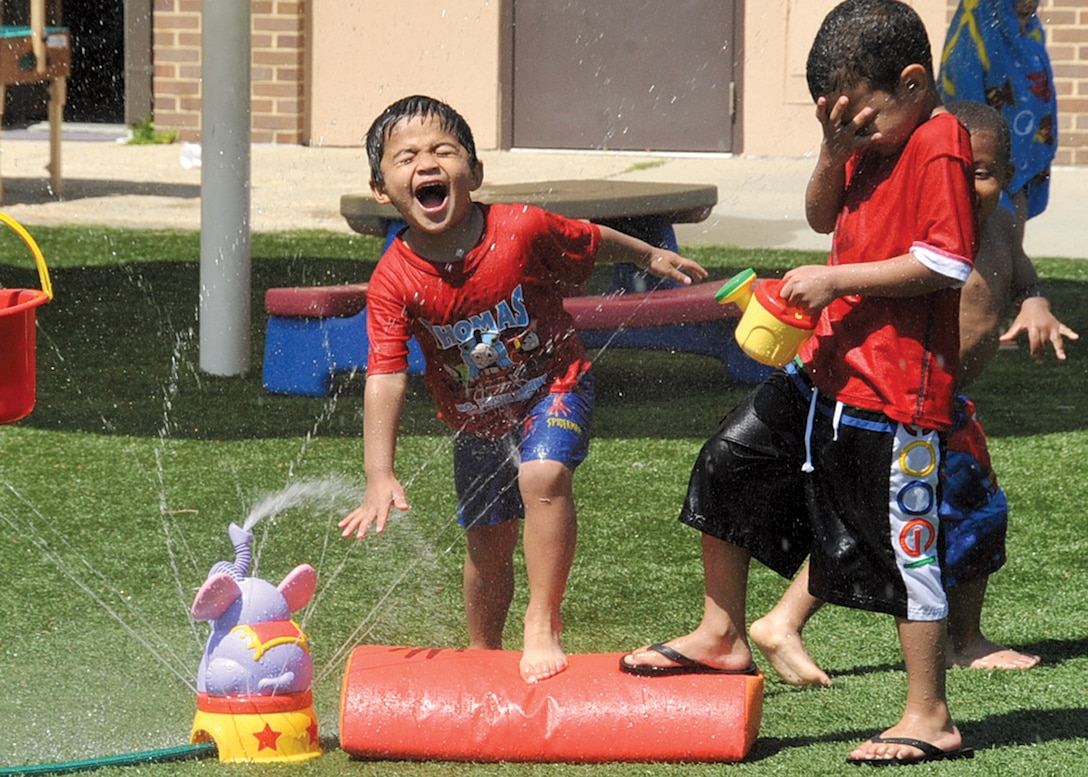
point(400, 703)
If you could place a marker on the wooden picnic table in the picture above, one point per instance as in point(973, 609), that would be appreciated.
point(600, 200)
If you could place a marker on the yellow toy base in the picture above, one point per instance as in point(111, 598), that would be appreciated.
point(274, 735)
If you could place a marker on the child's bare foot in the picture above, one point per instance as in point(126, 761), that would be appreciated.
point(542, 655)
point(783, 647)
point(984, 654)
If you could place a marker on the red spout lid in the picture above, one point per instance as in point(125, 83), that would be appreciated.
point(766, 292)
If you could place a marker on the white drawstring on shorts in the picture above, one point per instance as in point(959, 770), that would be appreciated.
point(807, 466)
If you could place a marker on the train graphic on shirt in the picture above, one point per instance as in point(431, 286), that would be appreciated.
point(490, 355)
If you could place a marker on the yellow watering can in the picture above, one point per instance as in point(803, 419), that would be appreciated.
point(770, 330)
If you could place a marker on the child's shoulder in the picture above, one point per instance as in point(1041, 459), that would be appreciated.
point(998, 233)
point(942, 130)
point(939, 138)
point(525, 220)
point(510, 215)
point(511, 211)
point(998, 238)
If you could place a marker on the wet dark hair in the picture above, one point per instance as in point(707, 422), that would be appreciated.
point(869, 41)
point(980, 117)
point(415, 107)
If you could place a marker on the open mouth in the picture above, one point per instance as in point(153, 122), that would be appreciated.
point(432, 195)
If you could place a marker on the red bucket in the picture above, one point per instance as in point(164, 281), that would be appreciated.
point(18, 336)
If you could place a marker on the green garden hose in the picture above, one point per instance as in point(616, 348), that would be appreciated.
point(183, 753)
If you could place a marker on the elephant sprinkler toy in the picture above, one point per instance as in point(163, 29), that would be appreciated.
point(253, 689)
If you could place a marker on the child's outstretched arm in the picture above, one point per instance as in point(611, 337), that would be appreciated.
point(815, 286)
point(383, 405)
point(1034, 316)
point(619, 247)
point(843, 135)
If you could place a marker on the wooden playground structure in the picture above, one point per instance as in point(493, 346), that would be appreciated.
point(34, 53)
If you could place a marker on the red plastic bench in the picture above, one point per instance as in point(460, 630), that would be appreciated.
point(315, 331)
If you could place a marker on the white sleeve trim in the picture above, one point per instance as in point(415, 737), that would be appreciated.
point(947, 264)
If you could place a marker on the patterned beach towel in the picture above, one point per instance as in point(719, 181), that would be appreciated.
point(987, 59)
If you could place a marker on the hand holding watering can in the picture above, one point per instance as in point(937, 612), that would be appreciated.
point(771, 330)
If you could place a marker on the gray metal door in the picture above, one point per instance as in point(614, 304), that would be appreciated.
point(625, 74)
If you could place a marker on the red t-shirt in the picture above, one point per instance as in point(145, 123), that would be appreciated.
point(901, 355)
point(492, 327)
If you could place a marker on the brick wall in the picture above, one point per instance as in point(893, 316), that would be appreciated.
point(175, 58)
point(276, 69)
point(278, 72)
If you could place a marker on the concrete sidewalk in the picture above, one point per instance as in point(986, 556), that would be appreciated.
point(760, 200)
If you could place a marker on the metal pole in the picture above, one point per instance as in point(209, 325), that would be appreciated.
point(224, 188)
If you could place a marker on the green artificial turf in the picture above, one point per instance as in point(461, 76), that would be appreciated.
point(115, 495)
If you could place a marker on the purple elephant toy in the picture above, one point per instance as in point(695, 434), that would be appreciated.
point(255, 649)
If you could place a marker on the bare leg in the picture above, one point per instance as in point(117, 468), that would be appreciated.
point(778, 635)
point(551, 530)
point(926, 716)
point(718, 640)
point(489, 582)
point(967, 646)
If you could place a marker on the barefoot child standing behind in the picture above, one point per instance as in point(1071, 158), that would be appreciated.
point(480, 287)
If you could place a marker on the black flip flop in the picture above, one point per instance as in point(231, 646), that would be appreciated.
point(930, 753)
point(684, 665)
